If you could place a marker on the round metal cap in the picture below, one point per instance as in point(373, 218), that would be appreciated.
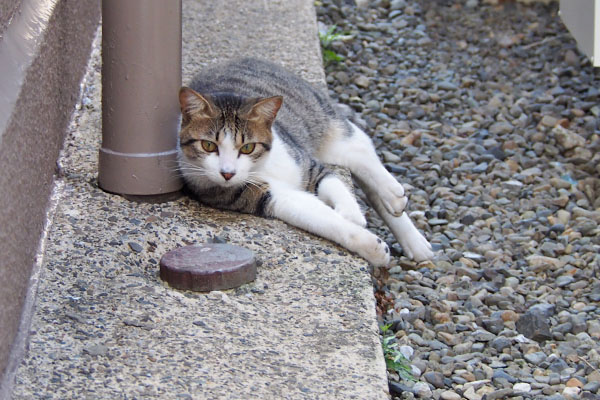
point(207, 267)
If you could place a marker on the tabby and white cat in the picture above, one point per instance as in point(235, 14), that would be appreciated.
point(254, 138)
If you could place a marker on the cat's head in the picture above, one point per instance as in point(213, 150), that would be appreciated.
point(224, 137)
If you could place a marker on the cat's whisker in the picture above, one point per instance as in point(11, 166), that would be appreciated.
point(183, 162)
point(175, 168)
point(193, 171)
point(197, 173)
point(186, 166)
point(253, 175)
point(192, 174)
point(252, 181)
point(172, 163)
point(255, 184)
point(190, 168)
point(179, 174)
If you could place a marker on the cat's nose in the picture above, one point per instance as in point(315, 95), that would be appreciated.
point(227, 175)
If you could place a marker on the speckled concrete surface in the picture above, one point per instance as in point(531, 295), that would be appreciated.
point(106, 327)
point(283, 31)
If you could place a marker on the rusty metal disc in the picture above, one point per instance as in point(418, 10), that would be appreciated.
point(211, 266)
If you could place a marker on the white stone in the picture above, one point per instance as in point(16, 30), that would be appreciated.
point(566, 138)
point(571, 392)
point(522, 387)
point(511, 282)
point(406, 351)
point(422, 390)
point(533, 171)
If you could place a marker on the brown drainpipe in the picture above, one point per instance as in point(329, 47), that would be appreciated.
point(141, 77)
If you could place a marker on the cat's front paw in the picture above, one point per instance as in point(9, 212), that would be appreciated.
point(393, 199)
point(416, 247)
point(375, 251)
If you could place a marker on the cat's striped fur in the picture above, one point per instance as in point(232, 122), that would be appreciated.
point(255, 139)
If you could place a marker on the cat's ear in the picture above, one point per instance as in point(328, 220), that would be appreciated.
point(265, 110)
point(193, 104)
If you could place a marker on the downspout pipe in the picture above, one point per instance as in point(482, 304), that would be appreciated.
point(141, 77)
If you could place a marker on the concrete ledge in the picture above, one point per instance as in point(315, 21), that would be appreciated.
point(105, 325)
point(44, 47)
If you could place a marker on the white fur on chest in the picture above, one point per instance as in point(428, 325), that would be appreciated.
point(280, 168)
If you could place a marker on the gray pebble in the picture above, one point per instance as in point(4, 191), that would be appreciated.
point(500, 343)
point(499, 394)
point(434, 378)
point(362, 81)
point(500, 374)
point(480, 168)
point(444, 85)
point(535, 358)
point(135, 247)
point(534, 326)
point(593, 387)
point(493, 325)
point(501, 128)
point(564, 280)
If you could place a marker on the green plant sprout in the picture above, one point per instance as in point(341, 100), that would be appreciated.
point(327, 38)
point(394, 360)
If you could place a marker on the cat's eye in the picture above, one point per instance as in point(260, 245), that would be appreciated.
point(247, 148)
point(208, 146)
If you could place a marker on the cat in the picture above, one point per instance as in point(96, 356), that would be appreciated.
point(256, 139)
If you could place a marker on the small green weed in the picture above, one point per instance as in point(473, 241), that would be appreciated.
point(327, 38)
point(394, 360)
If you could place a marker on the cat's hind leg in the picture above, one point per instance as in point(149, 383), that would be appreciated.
point(414, 244)
point(353, 149)
point(304, 210)
point(334, 193)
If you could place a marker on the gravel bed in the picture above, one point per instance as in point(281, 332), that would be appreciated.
point(489, 116)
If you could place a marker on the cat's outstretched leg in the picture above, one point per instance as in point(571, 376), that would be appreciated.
point(355, 151)
point(307, 212)
point(413, 243)
point(334, 193)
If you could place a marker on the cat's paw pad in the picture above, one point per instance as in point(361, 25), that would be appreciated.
point(417, 248)
point(376, 252)
point(393, 199)
point(352, 214)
